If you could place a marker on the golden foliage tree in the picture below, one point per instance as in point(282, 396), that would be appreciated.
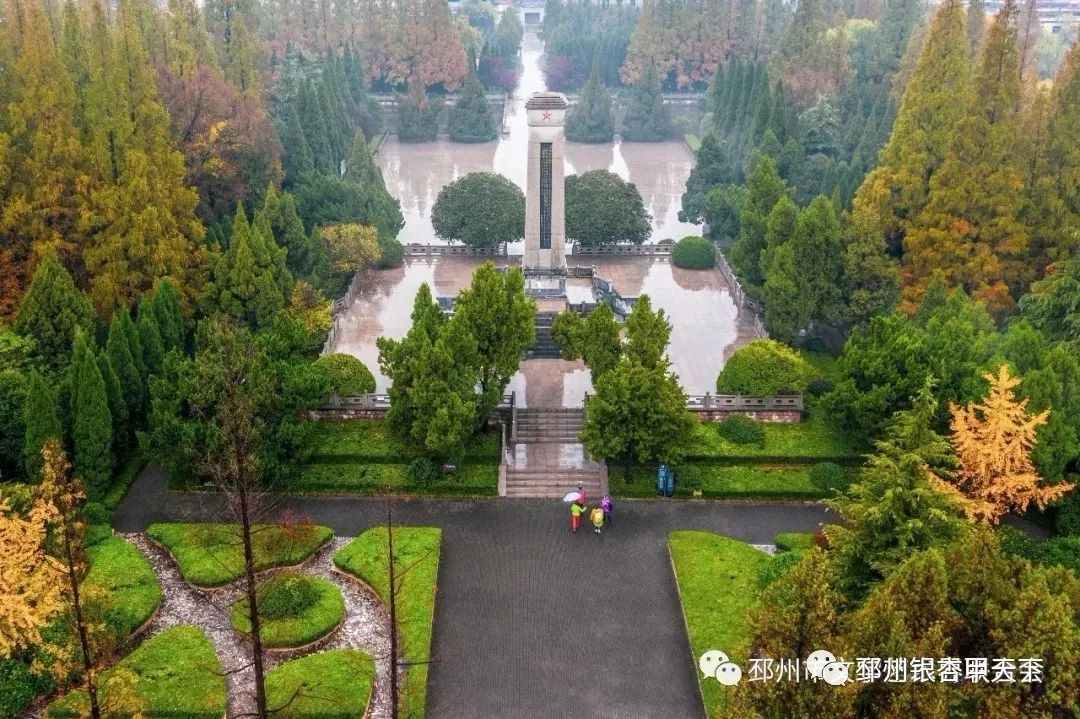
point(30, 579)
point(993, 442)
point(352, 247)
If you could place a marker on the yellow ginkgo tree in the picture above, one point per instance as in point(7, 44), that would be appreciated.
point(993, 442)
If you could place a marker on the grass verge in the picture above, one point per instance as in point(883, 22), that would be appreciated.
point(370, 440)
point(416, 552)
point(717, 579)
point(473, 479)
point(211, 555)
point(121, 571)
point(715, 481)
point(329, 685)
point(295, 609)
point(811, 440)
point(177, 674)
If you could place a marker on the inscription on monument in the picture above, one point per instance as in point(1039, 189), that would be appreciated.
point(545, 196)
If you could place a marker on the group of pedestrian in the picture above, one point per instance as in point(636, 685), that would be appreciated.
point(599, 516)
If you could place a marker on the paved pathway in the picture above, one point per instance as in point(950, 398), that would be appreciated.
point(532, 621)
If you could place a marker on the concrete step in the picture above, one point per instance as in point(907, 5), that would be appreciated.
point(551, 412)
point(548, 438)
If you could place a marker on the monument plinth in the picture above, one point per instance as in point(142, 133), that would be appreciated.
point(545, 225)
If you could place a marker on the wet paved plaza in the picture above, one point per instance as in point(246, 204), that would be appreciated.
point(706, 325)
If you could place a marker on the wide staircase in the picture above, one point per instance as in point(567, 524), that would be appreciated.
point(547, 459)
point(544, 347)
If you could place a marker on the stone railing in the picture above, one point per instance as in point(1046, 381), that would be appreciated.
point(417, 250)
point(717, 407)
point(742, 301)
point(663, 248)
point(376, 405)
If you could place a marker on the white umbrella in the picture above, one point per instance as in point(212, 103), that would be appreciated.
point(572, 497)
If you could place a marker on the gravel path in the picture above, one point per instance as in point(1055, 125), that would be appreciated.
point(366, 625)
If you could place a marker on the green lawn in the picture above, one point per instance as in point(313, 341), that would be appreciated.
point(121, 570)
point(793, 541)
point(178, 675)
point(474, 479)
point(370, 440)
point(211, 555)
point(717, 579)
point(301, 622)
point(813, 439)
point(416, 550)
point(721, 481)
point(328, 685)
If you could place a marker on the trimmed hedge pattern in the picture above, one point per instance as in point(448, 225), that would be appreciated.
point(296, 609)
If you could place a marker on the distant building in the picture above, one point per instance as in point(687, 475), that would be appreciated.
point(1054, 14)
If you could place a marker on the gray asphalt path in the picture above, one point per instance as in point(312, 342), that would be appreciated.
point(531, 620)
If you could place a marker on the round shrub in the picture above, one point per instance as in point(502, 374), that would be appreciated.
point(829, 477)
point(345, 375)
point(693, 253)
point(740, 429)
point(764, 368)
point(294, 609)
point(17, 687)
point(424, 471)
point(289, 595)
point(95, 513)
point(393, 254)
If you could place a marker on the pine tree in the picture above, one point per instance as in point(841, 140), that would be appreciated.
point(976, 26)
point(122, 355)
point(993, 442)
point(298, 158)
point(51, 312)
point(361, 167)
point(471, 118)
point(648, 333)
point(591, 119)
point(763, 191)
point(244, 287)
point(933, 105)
point(871, 276)
point(118, 411)
point(305, 253)
point(785, 315)
point(92, 431)
point(153, 350)
point(316, 130)
point(41, 417)
point(969, 228)
point(818, 246)
point(646, 118)
point(417, 120)
point(166, 308)
point(44, 178)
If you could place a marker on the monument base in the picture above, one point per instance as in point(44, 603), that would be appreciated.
point(545, 283)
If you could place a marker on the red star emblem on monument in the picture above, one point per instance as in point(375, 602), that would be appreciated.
point(546, 116)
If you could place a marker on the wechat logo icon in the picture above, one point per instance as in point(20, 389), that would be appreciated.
point(714, 664)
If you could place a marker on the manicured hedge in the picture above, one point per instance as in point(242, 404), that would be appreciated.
point(812, 440)
point(417, 548)
point(717, 579)
point(327, 685)
point(693, 253)
point(211, 555)
point(740, 429)
point(370, 440)
point(345, 375)
point(179, 676)
point(121, 570)
point(295, 609)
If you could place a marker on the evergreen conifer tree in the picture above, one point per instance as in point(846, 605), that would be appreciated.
point(646, 117)
point(471, 118)
point(153, 350)
point(297, 157)
point(417, 120)
point(121, 428)
point(41, 418)
point(763, 191)
point(591, 119)
point(91, 432)
point(122, 355)
point(170, 322)
point(51, 313)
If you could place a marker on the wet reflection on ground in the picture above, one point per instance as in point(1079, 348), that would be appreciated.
point(415, 173)
point(706, 326)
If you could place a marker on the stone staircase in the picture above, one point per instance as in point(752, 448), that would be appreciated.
point(544, 347)
point(547, 460)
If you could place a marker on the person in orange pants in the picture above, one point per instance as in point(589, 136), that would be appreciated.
point(576, 510)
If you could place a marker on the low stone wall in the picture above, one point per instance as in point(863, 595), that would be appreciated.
point(344, 415)
point(719, 415)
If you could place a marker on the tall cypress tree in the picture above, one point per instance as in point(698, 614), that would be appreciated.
point(91, 432)
point(153, 350)
point(166, 308)
point(970, 228)
point(304, 252)
point(646, 118)
point(117, 408)
point(297, 157)
point(591, 119)
point(122, 355)
point(361, 167)
point(41, 417)
point(763, 191)
point(52, 311)
point(471, 118)
point(933, 105)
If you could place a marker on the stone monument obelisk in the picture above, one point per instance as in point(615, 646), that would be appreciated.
point(545, 226)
